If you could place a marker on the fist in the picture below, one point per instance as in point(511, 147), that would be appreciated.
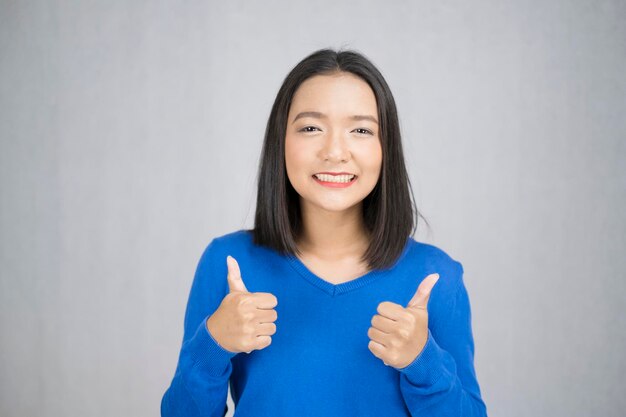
point(398, 334)
point(244, 321)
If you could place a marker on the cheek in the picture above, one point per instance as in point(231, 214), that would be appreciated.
point(379, 156)
point(297, 155)
point(295, 160)
point(372, 157)
point(290, 157)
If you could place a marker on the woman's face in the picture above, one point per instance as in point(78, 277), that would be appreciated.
point(333, 128)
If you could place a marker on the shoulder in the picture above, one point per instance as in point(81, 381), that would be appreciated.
point(228, 244)
point(212, 264)
point(433, 259)
point(433, 255)
point(428, 259)
point(237, 238)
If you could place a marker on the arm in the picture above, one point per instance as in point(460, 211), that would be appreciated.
point(441, 381)
point(200, 383)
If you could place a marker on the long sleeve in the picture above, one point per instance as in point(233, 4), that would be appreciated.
point(441, 381)
point(200, 383)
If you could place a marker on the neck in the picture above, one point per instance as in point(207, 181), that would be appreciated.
point(333, 235)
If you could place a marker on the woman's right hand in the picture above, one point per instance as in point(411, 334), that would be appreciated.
point(244, 321)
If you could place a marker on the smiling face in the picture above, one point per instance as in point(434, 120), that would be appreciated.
point(333, 127)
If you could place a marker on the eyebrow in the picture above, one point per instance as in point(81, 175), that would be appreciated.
point(319, 115)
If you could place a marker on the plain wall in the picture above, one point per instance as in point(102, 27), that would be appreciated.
point(130, 133)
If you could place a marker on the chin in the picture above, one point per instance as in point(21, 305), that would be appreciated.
point(336, 207)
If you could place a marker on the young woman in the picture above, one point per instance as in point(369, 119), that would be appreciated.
point(328, 307)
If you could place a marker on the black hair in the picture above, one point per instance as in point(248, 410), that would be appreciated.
point(389, 211)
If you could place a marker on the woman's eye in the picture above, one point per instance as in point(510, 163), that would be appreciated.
point(359, 130)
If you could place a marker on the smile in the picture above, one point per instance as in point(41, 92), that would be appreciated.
point(335, 181)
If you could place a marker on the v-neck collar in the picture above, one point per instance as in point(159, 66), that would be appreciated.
point(344, 287)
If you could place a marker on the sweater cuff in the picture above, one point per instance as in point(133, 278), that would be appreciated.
point(206, 354)
point(427, 367)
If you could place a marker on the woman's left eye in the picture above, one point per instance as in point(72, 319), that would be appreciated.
point(365, 131)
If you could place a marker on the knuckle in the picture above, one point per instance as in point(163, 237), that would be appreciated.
point(387, 307)
point(264, 342)
point(404, 333)
point(394, 343)
point(410, 318)
point(242, 300)
point(246, 345)
point(248, 329)
point(266, 297)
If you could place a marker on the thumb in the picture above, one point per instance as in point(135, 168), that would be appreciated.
point(421, 296)
point(235, 283)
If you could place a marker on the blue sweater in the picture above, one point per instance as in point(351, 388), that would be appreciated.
point(318, 363)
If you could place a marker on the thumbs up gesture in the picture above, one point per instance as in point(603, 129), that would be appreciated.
point(398, 334)
point(244, 321)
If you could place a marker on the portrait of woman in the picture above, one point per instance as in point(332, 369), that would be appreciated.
point(252, 209)
point(328, 306)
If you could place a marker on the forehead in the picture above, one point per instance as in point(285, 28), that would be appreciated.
point(336, 93)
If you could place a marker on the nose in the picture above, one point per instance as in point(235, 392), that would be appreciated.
point(335, 148)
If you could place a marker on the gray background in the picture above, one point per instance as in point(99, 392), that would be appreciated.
point(130, 135)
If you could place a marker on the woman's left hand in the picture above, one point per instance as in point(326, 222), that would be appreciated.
point(398, 334)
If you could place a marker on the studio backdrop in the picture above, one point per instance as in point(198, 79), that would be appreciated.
point(130, 134)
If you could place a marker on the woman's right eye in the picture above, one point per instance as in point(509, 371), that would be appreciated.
point(304, 129)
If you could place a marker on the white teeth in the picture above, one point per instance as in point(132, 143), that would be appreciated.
point(334, 178)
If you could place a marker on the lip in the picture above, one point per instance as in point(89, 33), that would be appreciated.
point(335, 184)
point(335, 173)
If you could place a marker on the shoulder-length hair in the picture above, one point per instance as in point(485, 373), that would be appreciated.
point(389, 211)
